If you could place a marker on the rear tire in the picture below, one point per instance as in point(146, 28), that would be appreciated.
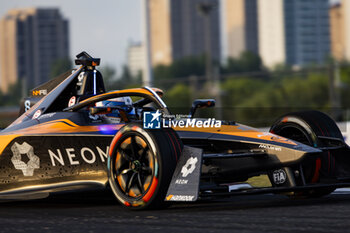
point(141, 165)
point(305, 127)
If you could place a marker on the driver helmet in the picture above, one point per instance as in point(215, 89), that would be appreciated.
point(122, 102)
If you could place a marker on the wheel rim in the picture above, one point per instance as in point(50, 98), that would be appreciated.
point(134, 166)
point(296, 133)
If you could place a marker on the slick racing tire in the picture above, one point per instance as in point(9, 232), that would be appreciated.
point(305, 127)
point(141, 164)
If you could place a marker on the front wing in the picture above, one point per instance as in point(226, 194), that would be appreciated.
point(187, 185)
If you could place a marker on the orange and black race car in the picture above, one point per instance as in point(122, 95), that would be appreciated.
point(74, 135)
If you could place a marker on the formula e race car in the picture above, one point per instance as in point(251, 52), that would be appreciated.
point(75, 135)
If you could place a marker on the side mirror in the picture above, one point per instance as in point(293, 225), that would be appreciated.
point(201, 103)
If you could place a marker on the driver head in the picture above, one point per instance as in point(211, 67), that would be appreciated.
point(122, 102)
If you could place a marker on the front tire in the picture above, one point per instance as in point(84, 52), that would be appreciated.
point(305, 127)
point(141, 165)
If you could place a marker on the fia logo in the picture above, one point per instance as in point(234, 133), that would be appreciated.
point(279, 176)
point(151, 120)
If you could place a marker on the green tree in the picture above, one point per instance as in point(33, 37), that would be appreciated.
point(109, 77)
point(345, 85)
point(125, 80)
point(288, 94)
point(13, 96)
point(166, 75)
point(247, 62)
point(2, 98)
point(250, 62)
point(178, 99)
point(60, 66)
point(236, 90)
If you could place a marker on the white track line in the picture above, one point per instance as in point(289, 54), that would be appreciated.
point(342, 191)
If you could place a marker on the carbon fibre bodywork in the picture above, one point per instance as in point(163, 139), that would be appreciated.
point(57, 146)
point(73, 150)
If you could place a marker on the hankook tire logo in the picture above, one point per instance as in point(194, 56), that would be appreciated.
point(33, 163)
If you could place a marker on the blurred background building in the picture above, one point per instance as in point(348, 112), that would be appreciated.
point(294, 32)
point(261, 40)
point(337, 23)
point(240, 26)
point(31, 40)
point(178, 30)
point(340, 30)
point(136, 58)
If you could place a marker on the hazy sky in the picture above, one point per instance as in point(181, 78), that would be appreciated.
point(103, 28)
point(100, 27)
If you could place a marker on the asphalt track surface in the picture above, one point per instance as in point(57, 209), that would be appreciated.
point(99, 212)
